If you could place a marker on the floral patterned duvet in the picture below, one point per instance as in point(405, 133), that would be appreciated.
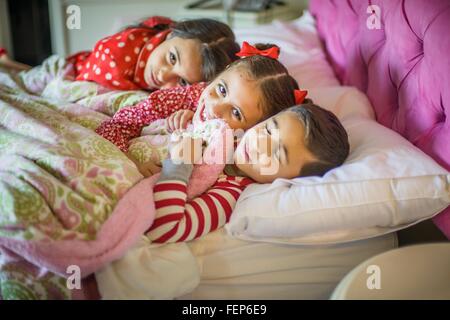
point(59, 180)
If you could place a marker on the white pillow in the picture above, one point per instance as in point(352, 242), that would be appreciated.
point(386, 184)
point(301, 49)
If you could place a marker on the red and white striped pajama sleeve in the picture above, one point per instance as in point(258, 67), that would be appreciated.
point(128, 122)
point(178, 219)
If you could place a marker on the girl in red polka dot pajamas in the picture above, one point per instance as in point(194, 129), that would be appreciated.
point(157, 54)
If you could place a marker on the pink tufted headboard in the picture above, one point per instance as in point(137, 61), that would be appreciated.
point(404, 66)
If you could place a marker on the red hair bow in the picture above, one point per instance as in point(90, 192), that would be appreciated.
point(300, 96)
point(248, 50)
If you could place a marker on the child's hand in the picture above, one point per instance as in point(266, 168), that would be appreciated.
point(147, 169)
point(185, 150)
point(179, 120)
point(130, 156)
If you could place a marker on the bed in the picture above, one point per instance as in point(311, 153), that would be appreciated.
point(414, 102)
point(229, 268)
point(219, 266)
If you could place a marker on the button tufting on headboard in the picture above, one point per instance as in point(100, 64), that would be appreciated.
point(403, 66)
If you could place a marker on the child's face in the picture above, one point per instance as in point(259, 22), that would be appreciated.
point(174, 62)
point(274, 148)
point(233, 98)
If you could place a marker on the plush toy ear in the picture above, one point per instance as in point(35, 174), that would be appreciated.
point(214, 160)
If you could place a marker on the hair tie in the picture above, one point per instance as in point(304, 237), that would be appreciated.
point(248, 50)
point(155, 21)
point(300, 96)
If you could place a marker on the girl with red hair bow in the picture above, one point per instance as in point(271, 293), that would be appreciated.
point(250, 90)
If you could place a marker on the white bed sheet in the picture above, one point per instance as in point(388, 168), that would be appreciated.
point(219, 266)
point(236, 269)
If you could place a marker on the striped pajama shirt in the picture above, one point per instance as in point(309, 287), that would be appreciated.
point(178, 219)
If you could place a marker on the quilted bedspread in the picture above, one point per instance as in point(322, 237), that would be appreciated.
point(70, 201)
point(59, 184)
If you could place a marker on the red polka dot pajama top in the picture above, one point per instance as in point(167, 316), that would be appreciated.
point(118, 61)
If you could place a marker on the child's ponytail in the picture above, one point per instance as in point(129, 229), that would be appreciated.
point(219, 46)
point(274, 81)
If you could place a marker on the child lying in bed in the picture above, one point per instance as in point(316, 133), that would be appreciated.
point(304, 140)
point(248, 91)
point(158, 53)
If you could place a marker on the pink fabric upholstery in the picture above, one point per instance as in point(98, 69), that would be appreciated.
point(404, 67)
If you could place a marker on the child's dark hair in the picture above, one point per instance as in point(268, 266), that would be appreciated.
point(273, 79)
point(325, 138)
point(218, 42)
